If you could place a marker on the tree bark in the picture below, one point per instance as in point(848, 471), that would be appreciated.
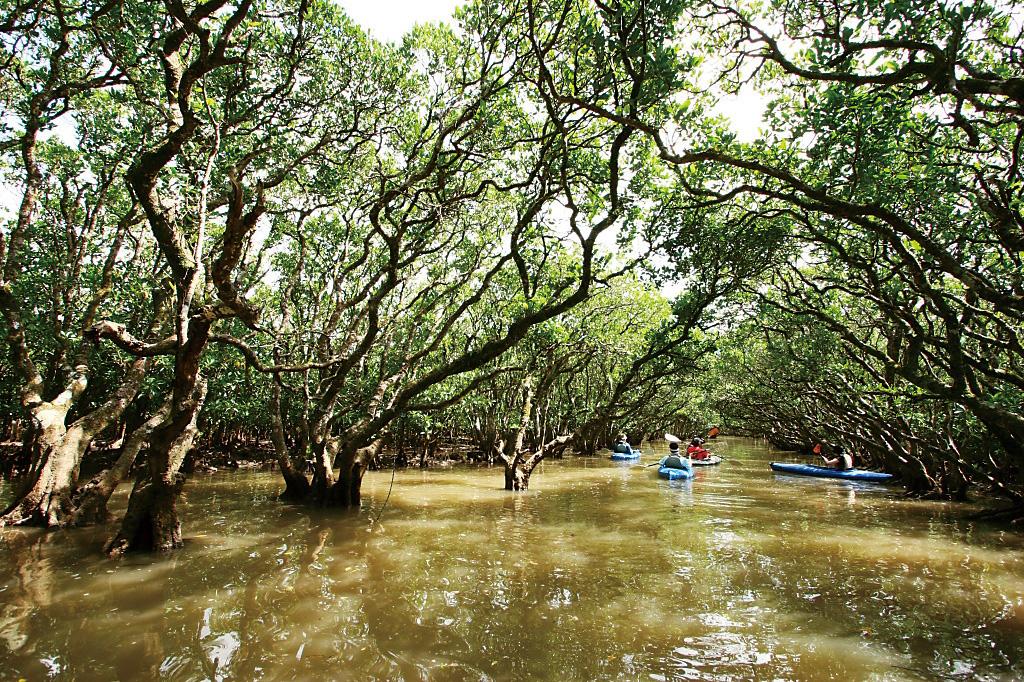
point(515, 477)
point(90, 500)
point(350, 465)
point(296, 485)
point(151, 522)
point(46, 499)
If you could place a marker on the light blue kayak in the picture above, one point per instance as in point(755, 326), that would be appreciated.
point(826, 472)
point(626, 455)
point(673, 473)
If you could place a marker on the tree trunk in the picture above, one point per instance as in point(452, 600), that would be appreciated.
point(90, 500)
point(350, 465)
point(296, 485)
point(151, 522)
point(519, 469)
point(515, 477)
point(57, 452)
point(321, 488)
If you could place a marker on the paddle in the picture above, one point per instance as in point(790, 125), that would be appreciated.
point(673, 439)
point(670, 438)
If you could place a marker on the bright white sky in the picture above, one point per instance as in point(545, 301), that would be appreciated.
point(388, 20)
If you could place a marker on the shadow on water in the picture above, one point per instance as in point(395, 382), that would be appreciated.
point(601, 571)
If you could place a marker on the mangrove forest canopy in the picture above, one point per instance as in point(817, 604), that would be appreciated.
point(524, 231)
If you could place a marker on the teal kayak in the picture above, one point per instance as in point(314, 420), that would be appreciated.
point(826, 472)
point(674, 473)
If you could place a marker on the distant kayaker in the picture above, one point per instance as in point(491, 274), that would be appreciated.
point(696, 450)
point(674, 461)
point(713, 433)
point(622, 445)
point(842, 460)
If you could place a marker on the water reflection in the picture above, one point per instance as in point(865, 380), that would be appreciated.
point(599, 572)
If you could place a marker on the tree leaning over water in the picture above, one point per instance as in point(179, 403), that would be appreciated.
point(489, 194)
point(249, 140)
point(912, 224)
point(230, 97)
point(387, 232)
point(66, 247)
point(894, 157)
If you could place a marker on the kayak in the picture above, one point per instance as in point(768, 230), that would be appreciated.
point(673, 474)
point(826, 472)
point(626, 455)
point(710, 461)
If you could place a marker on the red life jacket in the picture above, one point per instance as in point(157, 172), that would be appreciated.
point(697, 452)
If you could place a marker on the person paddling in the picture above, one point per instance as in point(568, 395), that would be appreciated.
point(622, 445)
point(674, 460)
point(842, 460)
point(696, 450)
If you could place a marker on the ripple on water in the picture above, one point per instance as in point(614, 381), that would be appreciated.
point(600, 572)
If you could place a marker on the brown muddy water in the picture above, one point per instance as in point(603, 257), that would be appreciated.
point(601, 572)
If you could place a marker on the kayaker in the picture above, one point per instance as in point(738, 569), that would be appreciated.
point(696, 450)
point(713, 433)
point(674, 461)
point(622, 445)
point(842, 460)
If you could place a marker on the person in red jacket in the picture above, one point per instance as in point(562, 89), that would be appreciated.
point(695, 451)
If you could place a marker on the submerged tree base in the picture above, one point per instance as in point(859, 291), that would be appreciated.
point(151, 522)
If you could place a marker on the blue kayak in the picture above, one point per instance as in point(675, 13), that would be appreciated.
point(826, 472)
point(626, 455)
point(674, 474)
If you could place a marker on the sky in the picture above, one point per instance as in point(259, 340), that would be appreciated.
point(388, 20)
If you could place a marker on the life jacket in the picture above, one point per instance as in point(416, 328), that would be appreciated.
point(675, 462)
point(697, 452)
